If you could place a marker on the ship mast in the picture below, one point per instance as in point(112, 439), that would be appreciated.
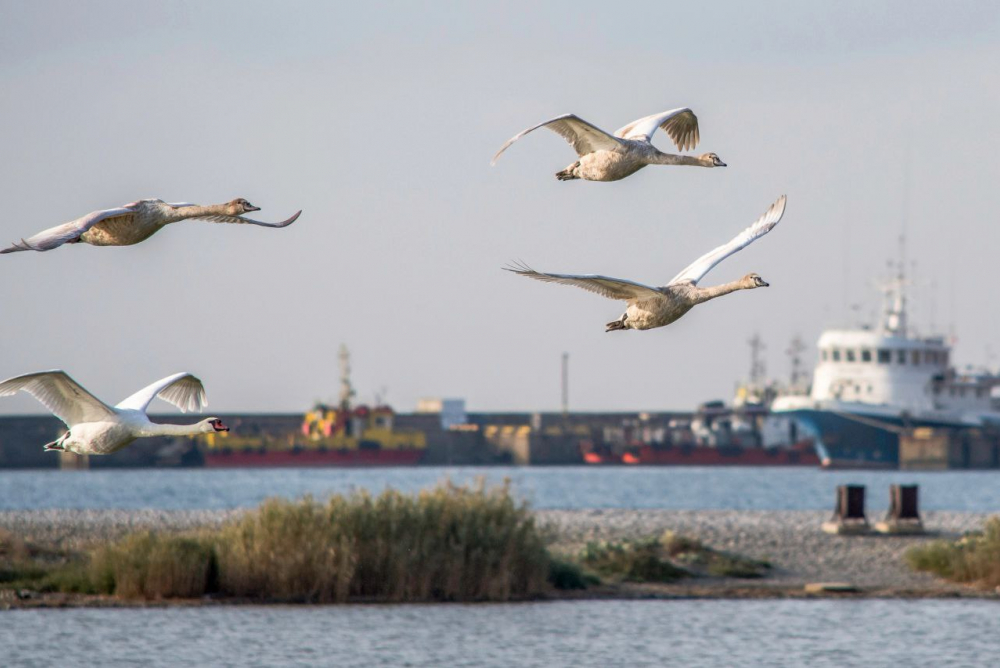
point(894, 316)
point(346, 389)
point(794, 352)
point(758, 370)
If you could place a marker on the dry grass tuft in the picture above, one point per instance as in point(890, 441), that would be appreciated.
point(447, 544)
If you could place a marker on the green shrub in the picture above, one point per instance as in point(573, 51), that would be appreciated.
point(692, 553)
point(633, 561)
point(566, 575)
point(973, 558)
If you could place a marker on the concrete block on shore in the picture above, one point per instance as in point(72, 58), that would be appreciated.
point(901, 527)
point(846, 527)
point(831, 588)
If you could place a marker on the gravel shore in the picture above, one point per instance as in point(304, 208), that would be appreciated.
point(790, 540)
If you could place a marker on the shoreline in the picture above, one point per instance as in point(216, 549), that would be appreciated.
point(791, 541)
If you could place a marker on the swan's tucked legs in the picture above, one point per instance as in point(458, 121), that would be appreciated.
point(57, 444)
point(616, 324)
point(567, 174)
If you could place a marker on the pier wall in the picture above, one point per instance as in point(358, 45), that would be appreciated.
point(546, 438)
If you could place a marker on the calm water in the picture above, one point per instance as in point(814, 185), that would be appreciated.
point(590, 633)
point(682, 488)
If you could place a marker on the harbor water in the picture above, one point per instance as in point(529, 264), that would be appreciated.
point(580, 633)
point(569, 487)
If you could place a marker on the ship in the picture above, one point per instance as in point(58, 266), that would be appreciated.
point(873, 385)
point(745, 433)
point(343, 434)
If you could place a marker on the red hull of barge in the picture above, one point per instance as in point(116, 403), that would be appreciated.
point(798, 455)
point(290, 458)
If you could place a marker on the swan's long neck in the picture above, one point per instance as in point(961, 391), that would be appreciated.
point(661, 158)
point(186, 212)
point(154, 429)
point(705, 294)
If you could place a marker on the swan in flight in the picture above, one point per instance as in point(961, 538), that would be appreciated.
point(136, 222)
point(650, 307)
point(605, 157)
point(98, 429)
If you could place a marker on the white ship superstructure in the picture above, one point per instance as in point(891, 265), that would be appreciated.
point(870, 384)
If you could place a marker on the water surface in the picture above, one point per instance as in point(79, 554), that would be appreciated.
point(678, 488)
point(583, 633)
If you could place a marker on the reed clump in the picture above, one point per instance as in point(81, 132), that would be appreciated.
point(973, 558)
point(446, 544)
point(155, 565)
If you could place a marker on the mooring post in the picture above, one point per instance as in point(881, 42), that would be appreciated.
point(903, 516)
point(849, 512)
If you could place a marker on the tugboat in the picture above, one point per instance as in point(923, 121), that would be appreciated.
point(341, 435)
point(873, 384)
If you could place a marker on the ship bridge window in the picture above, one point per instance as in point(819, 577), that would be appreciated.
point(884, 357)
point(866, 356)
point(916, 357)
point(901, 356)
point(981, 392)
point(823, 354)
point(849, 354)
point(836, 354)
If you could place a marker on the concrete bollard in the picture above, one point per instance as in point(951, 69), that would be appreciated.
point(903, 516)
point(849, 513)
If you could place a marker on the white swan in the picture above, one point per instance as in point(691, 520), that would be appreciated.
point(98, 429)
point(604, 157)
point(135, 222)
point(650, 307)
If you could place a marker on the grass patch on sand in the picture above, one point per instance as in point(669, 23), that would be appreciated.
point(666, 558)
point(973, 558)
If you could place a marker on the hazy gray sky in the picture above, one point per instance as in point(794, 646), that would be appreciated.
point(379, 121)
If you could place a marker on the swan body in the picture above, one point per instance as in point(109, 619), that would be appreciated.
point(649, 307)
point(606, 157)
point(98, 429)
point(135, 222)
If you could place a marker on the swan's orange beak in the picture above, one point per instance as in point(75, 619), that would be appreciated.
point(250, 207)
point(218, 426)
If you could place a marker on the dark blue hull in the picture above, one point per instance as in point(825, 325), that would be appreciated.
point(845, 440)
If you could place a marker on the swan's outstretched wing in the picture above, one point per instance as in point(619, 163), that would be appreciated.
point(584, 137)
point(680, 124)
point(62, 395)
point(613, 288)
point(60, 234)
point(246, 221)
point(697, 269)
point(181, 389)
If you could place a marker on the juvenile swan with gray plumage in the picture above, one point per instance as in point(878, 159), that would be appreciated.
point(98, 429)
point(137, 221)
point(650, 307)
point(605, 157)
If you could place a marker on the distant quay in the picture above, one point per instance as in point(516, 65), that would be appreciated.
point(486, 438)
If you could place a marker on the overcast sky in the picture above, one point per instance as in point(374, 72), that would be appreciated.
point(379, 121)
